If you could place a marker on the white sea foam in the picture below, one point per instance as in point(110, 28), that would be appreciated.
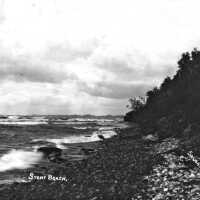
point(13, 117)
point(57, 142)
point(78, 138)
point(21, 123)
point(19, 120)
point(19, 159)
point(13, 180)
point(79, 119)
point(82, 127)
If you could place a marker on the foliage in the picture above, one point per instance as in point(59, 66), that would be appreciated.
point(177, 93)
point(136, 103)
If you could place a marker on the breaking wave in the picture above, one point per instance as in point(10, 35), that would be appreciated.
point(19, 159)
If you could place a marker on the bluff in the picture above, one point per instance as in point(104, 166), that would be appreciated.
point(174, 106)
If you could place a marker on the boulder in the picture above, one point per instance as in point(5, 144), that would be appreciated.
point(87, 151)
point(101, 137)
point(50, 152)
point(150, 138)
point(148, 130)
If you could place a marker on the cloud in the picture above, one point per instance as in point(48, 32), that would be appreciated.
point(49, 104)
point(77, 57)
point(67, 52)
point(35, 98)
point(2, 11)
point(84, 79)
point(37, 105)
point(134, 65)
point(115, 65)
point(115, 90)
point(50, 65)
point(159, 71)
point(25, 69)
point(46, 98)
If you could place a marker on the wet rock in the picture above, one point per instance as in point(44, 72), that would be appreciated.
point(101, 137)
point(166, 146)
point(87, 151)
point(51, 153)
point(150, 138)
point(149, 131)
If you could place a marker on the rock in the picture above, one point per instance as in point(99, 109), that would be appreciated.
point(87, 151)
point(94, 198)
point(150, 138)
point(50, 152)
point(167, 146)
point(101, 137)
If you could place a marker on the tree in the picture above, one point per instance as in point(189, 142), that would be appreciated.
point(136, 103)
point(195, 55)
point(165, 83)
point(152, 94)
point(184, 61)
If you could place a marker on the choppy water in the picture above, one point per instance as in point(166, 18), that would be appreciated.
point(20, 136)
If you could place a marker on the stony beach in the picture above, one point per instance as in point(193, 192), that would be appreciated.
point(113, 171)
point(127, 166)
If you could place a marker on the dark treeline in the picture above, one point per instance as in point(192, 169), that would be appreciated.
point(177, 98)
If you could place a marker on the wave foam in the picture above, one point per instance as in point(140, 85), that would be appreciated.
point(19, 159)
point(79, 138)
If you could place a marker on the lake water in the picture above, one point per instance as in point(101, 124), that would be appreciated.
point(21, 136)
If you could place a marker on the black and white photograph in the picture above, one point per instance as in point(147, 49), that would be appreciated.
point(99, 100)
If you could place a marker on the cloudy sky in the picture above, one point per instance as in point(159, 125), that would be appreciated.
point(91, 56)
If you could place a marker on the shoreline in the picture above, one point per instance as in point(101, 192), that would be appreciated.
point(115, 170)
point(127, 166)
